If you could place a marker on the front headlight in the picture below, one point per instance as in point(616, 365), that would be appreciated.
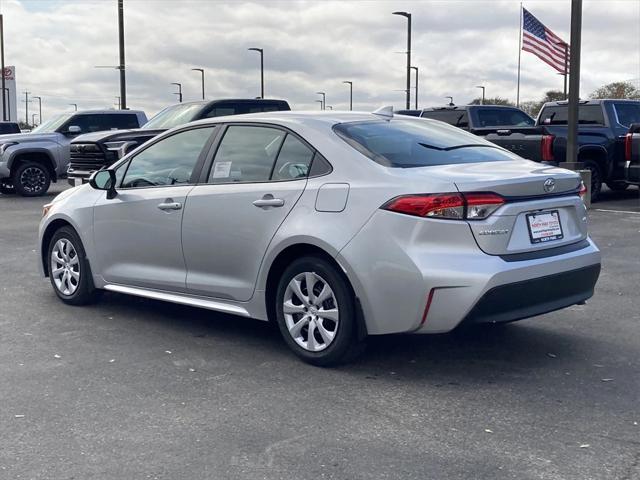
point(4, 146)
point(46, 208)
point(120, 148)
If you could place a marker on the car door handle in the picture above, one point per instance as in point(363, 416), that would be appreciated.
point(169, 205)
point(269, 201)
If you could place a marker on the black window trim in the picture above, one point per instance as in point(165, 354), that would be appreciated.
point(213, 150)
point(195, 174)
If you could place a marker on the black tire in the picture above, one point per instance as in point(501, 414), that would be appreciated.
point(596, 178)
point(617, 186)
point(7, 188)
point(85, 292)
point(31, 179)
point(345, 345)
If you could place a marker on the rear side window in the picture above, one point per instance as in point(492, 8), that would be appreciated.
point(503, 117)
point(627, 113)
point(293, 161)
point(457, 118)
point(587, 115)
point(405, 143)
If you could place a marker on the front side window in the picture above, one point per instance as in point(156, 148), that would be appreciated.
point(416, 143)
point(503, 117)
point(168, 162)
point(246, 154)
point(628, 113)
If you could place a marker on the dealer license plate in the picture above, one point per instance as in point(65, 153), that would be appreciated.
point(544, 226)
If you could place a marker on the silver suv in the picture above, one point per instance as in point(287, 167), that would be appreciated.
point(336, 226)
point(29, 162)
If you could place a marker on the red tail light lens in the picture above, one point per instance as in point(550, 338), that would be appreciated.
point(583, 190)
point(628, 138)
point(450, 206)
point(547, 148)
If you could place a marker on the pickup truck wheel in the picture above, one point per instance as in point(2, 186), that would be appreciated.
point(617, 186)
point(7, 188)
point(596, 178)
point(31, 179)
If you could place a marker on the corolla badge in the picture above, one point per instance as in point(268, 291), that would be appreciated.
point(549, 185)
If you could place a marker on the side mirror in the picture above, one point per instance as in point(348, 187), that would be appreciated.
point(104, 180)
point(74, 130)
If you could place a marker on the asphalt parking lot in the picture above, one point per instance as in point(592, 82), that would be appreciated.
point(133, 388)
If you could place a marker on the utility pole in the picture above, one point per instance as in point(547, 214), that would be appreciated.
point(4, 88)
point(350, 83)
point(416, 99)
point(408, 17)
point(566, 67)
point(123, 81)
point(26, 105)
point(571, 161)
point(39, 107)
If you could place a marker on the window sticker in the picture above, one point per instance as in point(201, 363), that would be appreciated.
point(221, 169)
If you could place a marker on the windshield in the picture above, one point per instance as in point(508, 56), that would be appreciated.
point(406, 143)
point(504, 117)
point(52, 124)
point(628, 113)
point(173, 116)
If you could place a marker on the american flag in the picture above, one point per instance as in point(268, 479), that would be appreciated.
point(543, 43)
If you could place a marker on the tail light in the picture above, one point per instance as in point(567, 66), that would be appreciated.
point(583, 190)
point(628, 139)
point(449, 206)
point(547, 148)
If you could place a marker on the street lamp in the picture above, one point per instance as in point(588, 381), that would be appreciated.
point(40, 107)
point(330, 107)
point(416, 69)
point(408, 17)
point(118, 102)
point(201, 70)
point(261, 51)
point(33, 119)
point(8, 99)
point(350, 93)
point(179, 92)
point(75, 106)
point(324, 99)
point(482, 87)
point(123, 87)
point(321, 104)
point(451, 104)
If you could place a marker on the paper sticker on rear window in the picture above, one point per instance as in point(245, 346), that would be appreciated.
point(221, 169)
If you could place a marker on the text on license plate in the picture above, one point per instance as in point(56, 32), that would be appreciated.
point(544, 226)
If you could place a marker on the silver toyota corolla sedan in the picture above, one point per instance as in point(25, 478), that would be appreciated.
point(334, 225)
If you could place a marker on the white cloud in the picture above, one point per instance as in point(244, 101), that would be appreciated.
point(309, 46)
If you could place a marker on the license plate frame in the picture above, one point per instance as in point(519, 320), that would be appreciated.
point(537, 233)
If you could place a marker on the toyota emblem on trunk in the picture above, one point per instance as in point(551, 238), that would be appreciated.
point(549, 185)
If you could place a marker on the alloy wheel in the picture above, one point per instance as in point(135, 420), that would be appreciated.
point(65, 267)
point(311, 311)
point(33, 180)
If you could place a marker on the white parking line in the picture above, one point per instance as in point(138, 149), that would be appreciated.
point(615, 211)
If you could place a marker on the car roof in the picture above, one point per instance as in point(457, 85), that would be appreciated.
point(592, 101)
point(465, 107)
point(93, 112)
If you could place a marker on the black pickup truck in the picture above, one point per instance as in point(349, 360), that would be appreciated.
point(632, 155)
point(94, 151)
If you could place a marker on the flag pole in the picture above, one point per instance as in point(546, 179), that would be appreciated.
point(519, 56)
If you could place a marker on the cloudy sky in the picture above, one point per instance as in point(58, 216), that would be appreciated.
point(309, 46)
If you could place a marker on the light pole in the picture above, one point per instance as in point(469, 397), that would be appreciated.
point(8, 99)
point(201, 70)
point(75, 106)
point(482, 99)
point(330, 107)
point(179, 92)
point(574, 87)
point(4, 107)
point(416, 99)
point(121, 68)
point(350, 93)
point(324, 99)
point(33, 119)
point(451, 104)
point(261, 51)
point(26, 105)
point(408, 17)
point(39, 108)
point(118, 102)
point(123, 82)
point(321, 104)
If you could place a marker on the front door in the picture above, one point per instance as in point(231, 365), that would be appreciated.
point(257, 177)
point(137, 234)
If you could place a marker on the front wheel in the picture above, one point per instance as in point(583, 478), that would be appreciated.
point(316, 312)
point(617, 186)
point(69, 269)
point(31, 179)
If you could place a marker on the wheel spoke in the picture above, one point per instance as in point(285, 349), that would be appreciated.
point(311, 341)
point(331, 314)
point(74, 274)
point(290, 308)
point(56, 271)
point(74, 260)
point(295, 288)
point(310, 280)
point(295, 330)
point(326, 335)
point(324, 294)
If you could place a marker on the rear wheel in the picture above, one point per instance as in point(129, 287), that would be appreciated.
point(315, 310)
point(596, 178)
point(69, 270)
point(617, 186)
point(31, 179)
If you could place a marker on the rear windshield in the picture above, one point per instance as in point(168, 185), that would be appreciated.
point(418, 143)
point(587, 115)
point(503, 117)
point(174, 116)
point(627, 113)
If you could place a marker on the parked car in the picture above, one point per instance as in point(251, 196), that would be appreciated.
point(97, 150)
point(30, 162)
point(9, 128)
point(632, 155)
point(333, 225)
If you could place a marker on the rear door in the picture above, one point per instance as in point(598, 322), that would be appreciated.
point(257, 176)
